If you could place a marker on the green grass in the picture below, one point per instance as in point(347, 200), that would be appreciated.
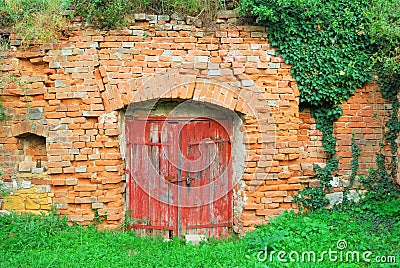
point(48, 241)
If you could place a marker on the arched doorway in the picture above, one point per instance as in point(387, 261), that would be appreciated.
point(179, 159)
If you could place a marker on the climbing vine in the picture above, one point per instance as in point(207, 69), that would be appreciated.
point(379, 182)
point(329, 45)
point(355, 152)
point(384, 33)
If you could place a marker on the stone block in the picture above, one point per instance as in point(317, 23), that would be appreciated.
point(43, 189)
point(26, 184)
point(37, 170)
point(247, 83)
point(61, 206)
point(25, 166)
point(14, 202)
point(54, 65)
point(335, 182)
point(71, 181)
point(66, 52)
point(195, 239)
point(31, 204)
point(201, 59)
point(274, 65)
point(214, 72)
point(97, 205)
point(59, 83)
point(80, 169)
point(35, 114)
point(334, 199)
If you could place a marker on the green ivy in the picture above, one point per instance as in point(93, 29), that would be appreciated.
point(327, 45)
point(384, 32)
point(324, 40)
point(380, 181)
point(355, 152)
point(3, 114)
point(334, 46)
point(311, 198)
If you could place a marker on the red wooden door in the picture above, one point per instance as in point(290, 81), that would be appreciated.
point(180, 174)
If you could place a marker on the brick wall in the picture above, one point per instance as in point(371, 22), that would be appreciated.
point(72, 92)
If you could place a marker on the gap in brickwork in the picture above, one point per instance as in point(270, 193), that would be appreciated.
point(34, 152)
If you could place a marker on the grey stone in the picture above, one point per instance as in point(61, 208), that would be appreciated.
point(272, 104)
point(14, 184)
point(5, 212)
point(177, 59)
point(140, 16)
point(253, 58)
point(59, 83)
point(195, 239)
point(202, 58)
point(54, 65)
point(61, 206)
point(81, 95)
point(69, 70)
point(335, 182)
point(74, 151)
point(94, 44)
point(66, 52)
point(247, 83)
point(151, 18)
point(32, 79)
point(26, 184)
point(80, 169)
point(321, 165)
point(354, 196)
point(89, 114)
point(81, 51)
point(138, 33)
point(214, 72)
point(334, 199)
point(35, 114)
point(213, 66)
point(176, 17)
point(15, 42)
point(274, 65)
point(128, 44)
point(37, 170)
point(43, 189)
point(97, 205)
point(164, 17)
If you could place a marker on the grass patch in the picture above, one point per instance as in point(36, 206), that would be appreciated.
point(48, 241)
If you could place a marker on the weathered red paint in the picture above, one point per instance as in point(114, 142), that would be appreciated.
point(180, 175)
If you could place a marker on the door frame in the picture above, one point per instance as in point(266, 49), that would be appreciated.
point(131, 180)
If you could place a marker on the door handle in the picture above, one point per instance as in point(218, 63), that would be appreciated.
point(172, 179)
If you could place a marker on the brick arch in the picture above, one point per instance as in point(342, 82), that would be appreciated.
point(180, 86)
point(26, 128)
